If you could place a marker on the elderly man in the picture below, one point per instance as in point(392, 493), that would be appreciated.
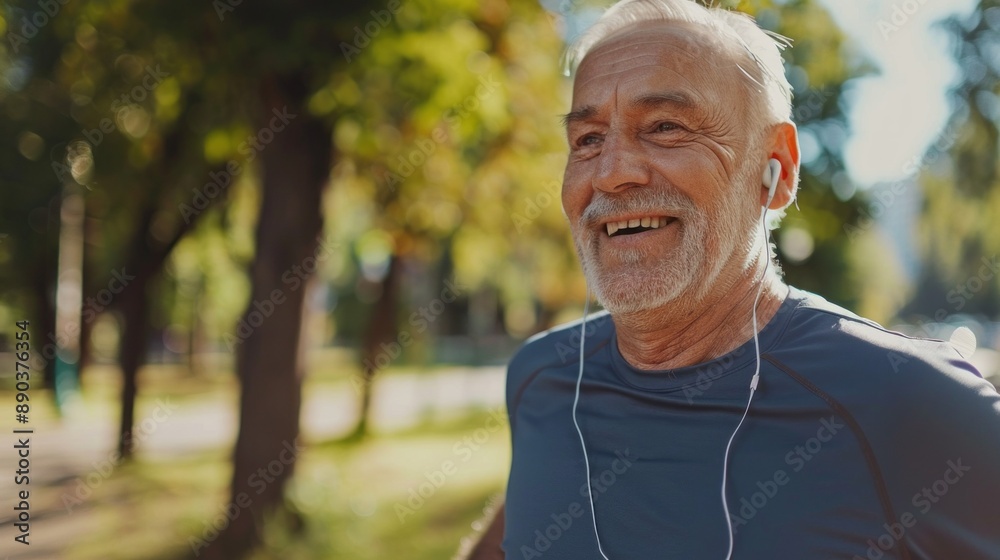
point(711, 411)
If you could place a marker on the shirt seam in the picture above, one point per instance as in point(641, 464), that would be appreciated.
point(871, 461)
point(518, 394)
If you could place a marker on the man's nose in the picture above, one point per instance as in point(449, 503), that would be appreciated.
point(621, 164)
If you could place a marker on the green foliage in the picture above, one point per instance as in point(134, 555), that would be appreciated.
point(819, 66)
point(483, 197)
point(449, 155)
point(445, 120)
point(960, 234)
point(454, 150)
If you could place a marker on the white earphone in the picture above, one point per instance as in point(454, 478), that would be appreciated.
point(772, 173)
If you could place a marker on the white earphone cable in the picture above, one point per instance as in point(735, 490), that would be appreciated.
point(583, 444)
point(773, 181)
point(753, 389)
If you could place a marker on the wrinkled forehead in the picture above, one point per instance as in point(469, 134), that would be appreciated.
point(661, 54)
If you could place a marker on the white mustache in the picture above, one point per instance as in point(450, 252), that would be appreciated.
point(653, 202)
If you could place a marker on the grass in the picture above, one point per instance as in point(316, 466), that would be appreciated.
point(358, 501)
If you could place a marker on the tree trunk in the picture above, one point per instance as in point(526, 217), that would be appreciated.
point(131, 302)
point(86, 354)
point(144, 263)
point(381, 329)
point(145, 260)
point(270, 351)
point(132, 354)
point(90, 231)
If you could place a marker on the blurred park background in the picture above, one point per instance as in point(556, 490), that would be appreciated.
point(274, 255)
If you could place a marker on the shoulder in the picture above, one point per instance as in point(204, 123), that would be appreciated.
point(920, 410)
point(561, 344)
point(557, 347)
point(883, 377)
point(822, 334)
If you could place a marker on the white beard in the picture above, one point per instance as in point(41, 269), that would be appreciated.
point(642, 281)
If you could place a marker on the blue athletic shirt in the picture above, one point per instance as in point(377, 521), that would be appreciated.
point(861, 443)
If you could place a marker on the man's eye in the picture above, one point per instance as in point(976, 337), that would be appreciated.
point(588, 140)
point(666, 127)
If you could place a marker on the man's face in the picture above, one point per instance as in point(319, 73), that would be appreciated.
point(658, 133)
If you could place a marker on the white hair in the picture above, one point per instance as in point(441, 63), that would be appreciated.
point(766, 74)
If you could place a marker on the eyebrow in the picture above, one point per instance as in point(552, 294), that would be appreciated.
point(648, 101)
point(583, 113)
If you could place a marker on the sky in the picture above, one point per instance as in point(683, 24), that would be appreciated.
point(896, 115)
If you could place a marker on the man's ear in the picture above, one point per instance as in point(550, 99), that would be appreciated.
point(783, 145)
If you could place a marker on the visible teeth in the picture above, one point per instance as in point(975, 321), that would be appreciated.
point(654, 222)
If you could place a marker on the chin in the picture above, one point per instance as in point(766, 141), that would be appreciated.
point(639, 281)
point(641, 288)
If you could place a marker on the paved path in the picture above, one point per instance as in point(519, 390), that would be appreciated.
point(69, 454)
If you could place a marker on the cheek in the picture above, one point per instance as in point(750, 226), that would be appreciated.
point(574, 196)
point(569, 209)
point(574, 206)
point(701, 166)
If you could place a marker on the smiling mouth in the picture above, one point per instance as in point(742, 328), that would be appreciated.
point(636, 225)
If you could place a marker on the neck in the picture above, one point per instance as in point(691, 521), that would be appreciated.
point(680, 334)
